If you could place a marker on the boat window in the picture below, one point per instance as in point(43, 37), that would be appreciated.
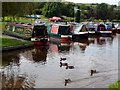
point(64, 30)
point(101, 28)
point(39, 30)
point(11, 28)
point(91, 29)
point(19, 30)
point(83, 29)
point(7, 27)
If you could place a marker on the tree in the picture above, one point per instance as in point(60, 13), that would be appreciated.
point(102, 11)
point(77, 16)
point(111, 12)
point(52, 9)
point(16, 9)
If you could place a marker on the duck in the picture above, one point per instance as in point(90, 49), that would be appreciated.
point(93, 71)
point(62, 59)
point(67, 81)
point(69, 67)
point(63, 64)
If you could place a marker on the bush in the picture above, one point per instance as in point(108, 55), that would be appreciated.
point(115, 86)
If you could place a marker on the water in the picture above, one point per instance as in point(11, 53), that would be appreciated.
point(39, 67)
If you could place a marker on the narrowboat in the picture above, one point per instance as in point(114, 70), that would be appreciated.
point(60, 32)
point(40, 35)
point(103, 30)
point(118, 28)
point(79, 32)
point(18, 30)
point(91, 27)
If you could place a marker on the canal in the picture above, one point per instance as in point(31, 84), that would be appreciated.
point(91, 63)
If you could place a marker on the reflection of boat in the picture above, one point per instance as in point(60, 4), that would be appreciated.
point(100, 40)
point(82, 46)
point(80, 31)
point(91, 40)
point(60, 32)
point(40, 53)
point(59, 47)
point(40, 35)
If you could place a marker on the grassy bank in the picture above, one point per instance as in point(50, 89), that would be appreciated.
point(6, 42)
point(115, 86)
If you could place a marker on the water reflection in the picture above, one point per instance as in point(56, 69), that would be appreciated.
point(101, 40)
point(70, 64)
point(60, 47)
point(12, 81)
point(39, 53)
point(10, 58)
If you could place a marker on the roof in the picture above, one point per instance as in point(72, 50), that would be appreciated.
point(79, 28)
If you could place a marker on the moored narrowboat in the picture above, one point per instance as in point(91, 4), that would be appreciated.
point(18, 30)
point(102, 29)
point(91, 27)
point(118, 28)
point(60, 32)
point(40, 35)
point(80, 32)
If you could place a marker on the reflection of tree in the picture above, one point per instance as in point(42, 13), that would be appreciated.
point(40, 54)
point(7, 58)
point(12, 81)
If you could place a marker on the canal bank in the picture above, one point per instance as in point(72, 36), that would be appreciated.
point(13, 43)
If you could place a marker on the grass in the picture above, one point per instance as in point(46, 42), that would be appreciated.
point(43, 17)
point(18, 19)
point(69, 18)
point(115, 86)
point(11, 42)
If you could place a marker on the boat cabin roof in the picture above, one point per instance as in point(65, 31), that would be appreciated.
point(80, 28)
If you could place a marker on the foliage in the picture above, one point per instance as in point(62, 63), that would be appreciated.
point(102, 11)
point(51, 9)
point(18, 9)
point(115, 86)
point(77, 16)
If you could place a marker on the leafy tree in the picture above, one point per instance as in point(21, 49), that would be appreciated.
point(52, 9)
point(102, 11)
point(14, 9)
point(111, 12)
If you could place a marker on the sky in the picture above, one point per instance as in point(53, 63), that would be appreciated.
point(112, 2)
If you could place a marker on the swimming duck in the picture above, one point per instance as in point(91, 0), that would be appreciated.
point(63, 64)
point(93, 71)
point(69, 67)
point(62, 59)
point(67, 81)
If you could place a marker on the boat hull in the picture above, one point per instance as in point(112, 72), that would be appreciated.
point(79, 36)
point(40, 43)
point(60, 38)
